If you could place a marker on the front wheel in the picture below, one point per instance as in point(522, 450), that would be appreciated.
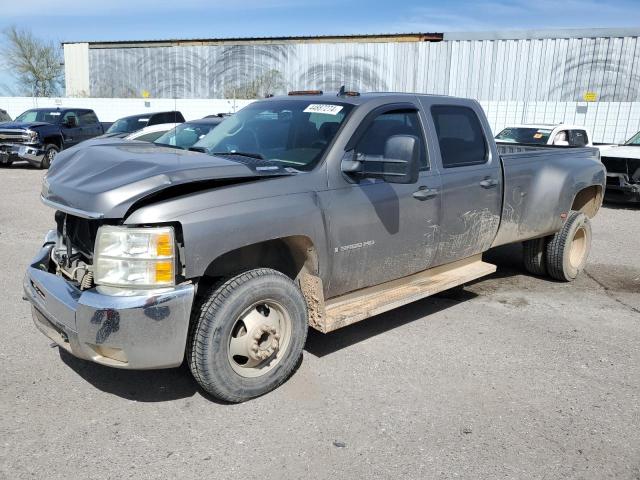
point(50, 152)
point(248, 335)
point(568, 250)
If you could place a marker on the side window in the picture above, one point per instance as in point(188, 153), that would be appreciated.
point(561, 138)
point(165, 117)
point(87, 118)
point(388, 124)
point(578, 138)
point(155, 119)
point(460, 136)
point(71, 114)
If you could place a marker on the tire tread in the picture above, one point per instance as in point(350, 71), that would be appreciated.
point(556, 248)
point(533, 254)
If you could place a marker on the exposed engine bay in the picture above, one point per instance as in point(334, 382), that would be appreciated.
point(72, 253)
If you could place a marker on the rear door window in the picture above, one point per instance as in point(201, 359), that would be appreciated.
point(166, 117)
point(87, 118)
point(578, 138)
point(460, 136)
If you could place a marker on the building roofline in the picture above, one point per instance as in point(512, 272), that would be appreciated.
point(531, 34)
point(385, 37)
point(539, 34)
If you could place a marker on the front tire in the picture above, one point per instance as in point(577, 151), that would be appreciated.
point(568, 249)
point(50, 152)
point(248, 335)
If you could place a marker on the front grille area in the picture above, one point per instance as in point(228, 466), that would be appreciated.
point(81, 232)
point(13, 136)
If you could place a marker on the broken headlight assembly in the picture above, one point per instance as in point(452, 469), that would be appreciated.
point(135, 257)
point(32, 136)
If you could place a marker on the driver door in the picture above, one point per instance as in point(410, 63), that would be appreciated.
point(71, 129)
point(381, 231)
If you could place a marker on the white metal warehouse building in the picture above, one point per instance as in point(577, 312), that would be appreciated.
point(589, 77)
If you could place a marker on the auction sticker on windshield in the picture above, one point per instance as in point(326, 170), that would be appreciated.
point(323, 108)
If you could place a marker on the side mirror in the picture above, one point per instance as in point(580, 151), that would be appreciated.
point(71, 122)
point(399, 164)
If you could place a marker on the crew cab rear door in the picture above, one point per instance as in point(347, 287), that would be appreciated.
point(471, 177)
point(379, 231)
point(89, 125)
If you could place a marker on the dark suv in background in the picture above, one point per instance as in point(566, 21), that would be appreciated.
point(126, 125)
point(37, 135)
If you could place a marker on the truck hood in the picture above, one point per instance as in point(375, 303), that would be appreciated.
point(104, 178)
point(621, 151)
point(21, 125)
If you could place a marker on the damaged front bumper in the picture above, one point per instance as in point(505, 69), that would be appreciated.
point(135, 332)
point(10, 153)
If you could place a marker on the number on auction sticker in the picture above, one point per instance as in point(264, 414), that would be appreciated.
point(323, 108)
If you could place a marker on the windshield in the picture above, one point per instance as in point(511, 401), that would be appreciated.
point(524, 135)
point(290, 132)
point(185, 135)
point(635, 140)
point(49, 116)
point(128, 125)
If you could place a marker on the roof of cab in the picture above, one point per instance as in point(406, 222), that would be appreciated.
point(351, 99)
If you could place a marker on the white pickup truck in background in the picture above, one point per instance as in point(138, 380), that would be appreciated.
point(562, 134)
point(623, 169)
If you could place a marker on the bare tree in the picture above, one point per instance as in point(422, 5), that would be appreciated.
point(36, 64)
point(269, 83)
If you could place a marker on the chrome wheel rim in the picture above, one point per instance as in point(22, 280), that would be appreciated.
point(259, 339)
point(51, 154)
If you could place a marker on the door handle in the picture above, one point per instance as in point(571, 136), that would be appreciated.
point(488, 183)
point(424, 193)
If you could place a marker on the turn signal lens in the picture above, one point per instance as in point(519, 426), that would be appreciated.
point(164, 272)
point(164, 245)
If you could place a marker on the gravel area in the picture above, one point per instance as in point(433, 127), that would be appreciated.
point(510, 377)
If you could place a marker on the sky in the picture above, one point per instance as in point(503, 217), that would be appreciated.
point(74, 20)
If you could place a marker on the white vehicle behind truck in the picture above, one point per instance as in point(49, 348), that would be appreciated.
point(623, 170)
point(562, 134)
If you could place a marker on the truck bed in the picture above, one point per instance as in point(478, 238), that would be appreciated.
point(505, 148)
point(539, 180)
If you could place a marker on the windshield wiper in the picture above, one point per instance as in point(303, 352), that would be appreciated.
point(198, 149)
point(241, 154)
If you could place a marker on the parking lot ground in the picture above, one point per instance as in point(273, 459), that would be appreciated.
point(511, 376)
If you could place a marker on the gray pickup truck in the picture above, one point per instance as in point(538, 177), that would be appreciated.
point(304, 210)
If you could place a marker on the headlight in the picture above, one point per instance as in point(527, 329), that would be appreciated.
point(135, 257)
point(32, 137)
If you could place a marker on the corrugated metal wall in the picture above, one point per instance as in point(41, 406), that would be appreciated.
point(517, 80)
point(549, 69)
point(546, 69)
